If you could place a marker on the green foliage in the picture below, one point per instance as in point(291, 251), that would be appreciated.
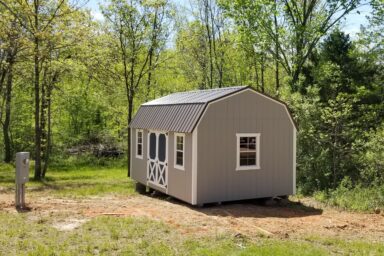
point(345, 196)
point(98, 73)
point(372, 158)
point(339, 117)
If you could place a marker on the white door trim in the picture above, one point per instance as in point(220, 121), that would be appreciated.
point(154, 165)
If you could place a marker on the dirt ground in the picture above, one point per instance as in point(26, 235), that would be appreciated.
point(250, 218)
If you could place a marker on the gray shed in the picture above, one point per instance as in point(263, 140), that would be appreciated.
point(215, 145)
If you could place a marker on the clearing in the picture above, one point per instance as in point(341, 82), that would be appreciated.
point(75, 203)
point(252, 219)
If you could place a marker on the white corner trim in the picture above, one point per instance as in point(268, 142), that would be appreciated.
point(180, 167)
point(249, 167)
point(137, 143)
point(194, 167)
point(294, 161)
point(130, 160)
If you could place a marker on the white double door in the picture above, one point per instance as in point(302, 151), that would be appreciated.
point(157, 164)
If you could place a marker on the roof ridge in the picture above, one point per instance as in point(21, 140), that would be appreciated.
point(196, 96)
point(213, 89)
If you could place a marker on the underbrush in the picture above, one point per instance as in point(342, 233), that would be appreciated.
point(87, 160)
point(362, 199)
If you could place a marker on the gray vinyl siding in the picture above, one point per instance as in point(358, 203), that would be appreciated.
point(139, 166)
point(245, 112)
point(179, 181)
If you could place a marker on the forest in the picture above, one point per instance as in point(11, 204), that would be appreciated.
point(70, 83)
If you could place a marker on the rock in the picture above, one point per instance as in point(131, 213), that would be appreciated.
point(342, 226)
point(238, 235)
point(377, 210)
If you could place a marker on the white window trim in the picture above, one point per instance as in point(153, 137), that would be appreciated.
point(137, 143)
point(249, 167)
point(180, 167)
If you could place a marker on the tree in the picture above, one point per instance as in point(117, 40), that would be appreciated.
point(11, 43)
point(38, 18)
point(137, 33)
point(11, 52)
point(339, 112)
point(295, 27)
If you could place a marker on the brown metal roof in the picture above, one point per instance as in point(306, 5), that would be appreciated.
point(178, 118)
point(181, 111)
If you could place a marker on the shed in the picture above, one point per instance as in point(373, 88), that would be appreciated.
point(215, 145)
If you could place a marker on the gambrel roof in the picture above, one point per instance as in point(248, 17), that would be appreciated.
point(181, 111)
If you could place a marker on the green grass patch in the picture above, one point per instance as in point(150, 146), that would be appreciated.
point(140, 236)
point(77, 181)
point(362, 199)
point(19, 235)
point(348, 247)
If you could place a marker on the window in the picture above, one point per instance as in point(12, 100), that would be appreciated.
point(179, 150)
point(248, 151)
point(139, 144)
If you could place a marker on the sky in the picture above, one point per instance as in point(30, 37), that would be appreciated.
point(351, 24)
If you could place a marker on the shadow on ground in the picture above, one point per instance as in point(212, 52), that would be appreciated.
point(255, 208)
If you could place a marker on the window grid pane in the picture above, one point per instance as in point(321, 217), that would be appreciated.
point(179, 157)
point(247, 151)
point(139, 143)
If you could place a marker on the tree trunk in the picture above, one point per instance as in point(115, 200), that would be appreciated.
point(37, 94)
point(48, 137)
point(257, 80)
point(43, 110)
point(130, 97)
point(277, 79)
point(151, 53)
point(295, 80)
point(149, 78)
point(209, 37)
point(7, 121)
point(262, 69)
point(130, 112)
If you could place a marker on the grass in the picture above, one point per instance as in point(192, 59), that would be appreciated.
point(34, 234)
point(139, 236)
point(360, 199)
point(74, 180)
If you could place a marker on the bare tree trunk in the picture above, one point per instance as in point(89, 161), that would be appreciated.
point(334, 156)
point(2, 78)
point(7, 121)
point(219, 61)
point(130, 113)
point(43, 109)
point(49, 125)
point(151, 53)
point(262, 70)
point(37, 93)
point(49, 136)
point(209, 37)
point(257, 80)
point(277, 79)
